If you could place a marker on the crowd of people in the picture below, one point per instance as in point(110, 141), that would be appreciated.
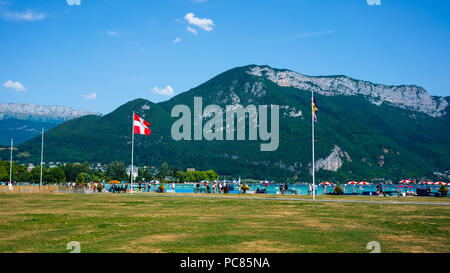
point(95, 187)
point(137, 187)
point(215, 187)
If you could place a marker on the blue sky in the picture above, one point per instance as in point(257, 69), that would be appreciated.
point(98, 54)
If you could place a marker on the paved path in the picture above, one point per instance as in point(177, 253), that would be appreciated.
point(296, 199)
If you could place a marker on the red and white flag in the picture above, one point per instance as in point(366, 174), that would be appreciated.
point(141, 126)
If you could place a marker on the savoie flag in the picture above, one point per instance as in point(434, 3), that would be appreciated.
point(314, 108)
point(141, 126)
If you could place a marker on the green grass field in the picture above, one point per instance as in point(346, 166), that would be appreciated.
point(158, 223)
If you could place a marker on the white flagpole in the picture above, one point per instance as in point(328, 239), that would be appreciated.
point(132, 153)
point(10, 164)
point(42, 157)
point(313, 165)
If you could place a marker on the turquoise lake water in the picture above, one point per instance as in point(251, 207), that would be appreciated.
point(300, 189)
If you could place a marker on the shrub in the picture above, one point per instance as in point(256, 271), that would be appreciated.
point(443, 190)
point(245, 188)
point(161, 187)
point(338, 190)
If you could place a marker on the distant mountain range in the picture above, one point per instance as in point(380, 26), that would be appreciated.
point(364, 130)
point(23, 121)
point(410, 97)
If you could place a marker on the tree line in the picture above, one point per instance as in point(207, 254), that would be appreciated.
point(81, 173)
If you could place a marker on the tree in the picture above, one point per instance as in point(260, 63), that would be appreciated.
point(140, 176)
point(212, 175)
point(22, 174)
point(71, 170)
point(85, 167)
point(58, 174)
point(100, 176)
point(49, 178)
point(116, 170)
point(80, 179)
point(4, 174)
point(4, 171)
point(164, 171)
point(88, 177)
point(36, 174)
point(148, 176)
point(197, 176)
point(173, 171)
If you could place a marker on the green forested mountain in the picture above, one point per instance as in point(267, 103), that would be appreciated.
point(364, 130)
point(21, 130)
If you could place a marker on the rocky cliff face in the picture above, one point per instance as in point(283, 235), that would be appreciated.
point(27, 111)
point(332, 162)
point(409, 97)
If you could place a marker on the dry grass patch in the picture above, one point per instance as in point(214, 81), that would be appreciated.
point(313, 223)
point(415, 244)
point(265, 246)
point(157, 238)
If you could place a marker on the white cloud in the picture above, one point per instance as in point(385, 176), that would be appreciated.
point(168, 91)
point(193, 30)
point(177, 40)
point(112, 33)
point(73, 2)
point(203, 23)
point(374, 2)
point(15, 85)
point(91, 96)
point(28, 16)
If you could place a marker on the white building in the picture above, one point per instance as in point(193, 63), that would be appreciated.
point(30, 167)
